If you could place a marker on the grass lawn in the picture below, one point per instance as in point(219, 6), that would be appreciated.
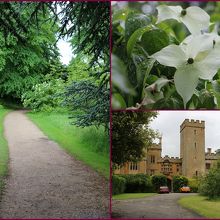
point(3, 149)
point(132, 195)
point(89, 144)
point(200, 204)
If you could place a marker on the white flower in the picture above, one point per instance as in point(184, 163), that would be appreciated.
point(193, 17)
point(213, 36)
point(199, 58)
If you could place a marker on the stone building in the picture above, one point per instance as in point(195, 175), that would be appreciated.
point(193, 161)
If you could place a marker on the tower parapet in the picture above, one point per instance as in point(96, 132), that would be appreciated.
point(192, 123)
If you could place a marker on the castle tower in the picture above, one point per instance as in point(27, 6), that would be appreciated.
point(192, 147)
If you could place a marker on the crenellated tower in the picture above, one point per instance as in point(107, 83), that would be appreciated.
point(192, 147)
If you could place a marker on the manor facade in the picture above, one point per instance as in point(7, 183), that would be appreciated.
point(193, 160)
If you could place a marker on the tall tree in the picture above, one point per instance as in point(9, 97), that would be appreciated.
point(26, 52)
point(90, 36)
point(131, 134)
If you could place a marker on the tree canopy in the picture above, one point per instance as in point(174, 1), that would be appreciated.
point(131, 134)
point(29, 56)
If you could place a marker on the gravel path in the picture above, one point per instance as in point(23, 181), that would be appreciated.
point(44, 181)
point(158, 206)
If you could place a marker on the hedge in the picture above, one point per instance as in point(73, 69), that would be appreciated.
point(118, 184)
point(159, 180)
point(138, 183)
point(194, 185)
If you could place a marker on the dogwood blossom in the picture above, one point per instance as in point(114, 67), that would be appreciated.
point(193, 17)
point(197, 57)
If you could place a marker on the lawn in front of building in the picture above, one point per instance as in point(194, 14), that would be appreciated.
point(201, 205)
point(132, 195)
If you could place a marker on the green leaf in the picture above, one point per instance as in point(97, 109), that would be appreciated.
point(216, 85)
point(149, 67)
point(118, 101)
point(135, 21)
point(154, 40)
point(164, 103)
point(135, 37)
point(167, 28)
point(215, 89)
point(119, 76)
point(119, 15)
point(207, 99)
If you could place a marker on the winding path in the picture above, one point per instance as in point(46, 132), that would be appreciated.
point(158, 206)
point(44, 181)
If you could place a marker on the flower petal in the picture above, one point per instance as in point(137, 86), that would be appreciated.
point(193, 45)
point(196, 19)
point(168, 12)
point(171, 55)
point(186, 79)
point(209, 66)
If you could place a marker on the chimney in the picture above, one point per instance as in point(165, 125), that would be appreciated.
point(209, 151)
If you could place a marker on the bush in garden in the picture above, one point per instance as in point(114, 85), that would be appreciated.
point(158, 180)
point(165, 60)
point(118, 184)
point(138, 183)
point(210, 183)
point(194, 185)
point(44, 96)
point(178, 182)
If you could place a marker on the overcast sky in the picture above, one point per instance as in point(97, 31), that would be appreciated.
point(168, 123)
point(65, 51)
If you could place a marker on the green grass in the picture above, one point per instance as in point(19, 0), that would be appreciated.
point(201, 205)
point(3, 150)
point(89, 144)
point(132, 195)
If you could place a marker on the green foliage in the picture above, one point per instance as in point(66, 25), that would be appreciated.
point(46, 96)
point(133, 22)
point(90, 94)
point(118, 184)
point(126, 196)
point(4, 154)
point(78, 69)
point(178, 182)
point(137, 183)
point(135, 75)
point(87, 97)
point(154, 40)
point(131, 135)
point(210, 183)
point(25, 55)
point(90, 101)
point(28, 53)
point(194, 185)
point(158, 180)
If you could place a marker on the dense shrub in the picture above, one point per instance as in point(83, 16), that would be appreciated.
point(210, 183)
point(118, 184)
point(178, 182)
point(44, 96)
point(158, 180)
point(138, 183)
point(193, 184)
